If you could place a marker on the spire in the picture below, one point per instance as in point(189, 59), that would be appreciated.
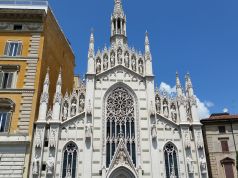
point(46, 81)
point(57, 99)
point(189, 86)
point(44, 98)
point(91, 45)
point(118, 10)
point(58, 88)
point(118, 24)
point(147, 43)
point(178, 85)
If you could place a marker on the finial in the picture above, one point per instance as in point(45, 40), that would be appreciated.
point(178, 84)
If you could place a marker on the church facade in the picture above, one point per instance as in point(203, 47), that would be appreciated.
point(116, 124)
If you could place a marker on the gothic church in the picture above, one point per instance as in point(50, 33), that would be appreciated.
point(117, 124)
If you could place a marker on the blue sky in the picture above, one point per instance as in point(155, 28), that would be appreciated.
point(185, 35)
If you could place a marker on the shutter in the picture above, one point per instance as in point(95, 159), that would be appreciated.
point(1, 79)
point(7, 122)
point(224, 146)
point(9, 80)
point(6, 51)
point(19, 49)
point(229, 170)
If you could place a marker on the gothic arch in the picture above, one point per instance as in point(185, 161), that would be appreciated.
point(171, 160)
point(122, 172)
point(69, 164)
point(136, 118)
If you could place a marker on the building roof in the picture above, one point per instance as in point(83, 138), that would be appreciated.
point(24, 4)
point(220, 117)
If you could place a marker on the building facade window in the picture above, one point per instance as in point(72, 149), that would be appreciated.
point(70, 161)
point(13, 48)
point(224, 146)
point(8, 75)
point(228, 164)
point(222, 129)
point(171, 160)
point(120, 123)
point(6, 109)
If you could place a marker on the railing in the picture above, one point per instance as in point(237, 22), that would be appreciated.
point(23, 2)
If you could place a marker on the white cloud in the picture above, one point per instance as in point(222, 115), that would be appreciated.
point(225, 110)
point(168, 88)
point(209, 104)
point(203, 107)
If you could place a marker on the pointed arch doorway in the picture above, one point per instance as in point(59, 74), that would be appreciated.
point(122, 172)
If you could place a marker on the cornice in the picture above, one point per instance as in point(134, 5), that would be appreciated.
point(17, 91)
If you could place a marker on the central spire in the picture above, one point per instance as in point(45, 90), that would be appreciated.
point(118, 10)
point(118, 23)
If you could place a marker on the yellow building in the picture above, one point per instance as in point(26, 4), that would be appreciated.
point(30, 42)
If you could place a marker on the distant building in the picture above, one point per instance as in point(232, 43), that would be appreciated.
point(221, 138)
point(30, 42)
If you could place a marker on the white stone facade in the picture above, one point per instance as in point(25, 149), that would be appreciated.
point(117, 124)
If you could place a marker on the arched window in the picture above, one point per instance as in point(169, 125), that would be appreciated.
point(120, 118)
point(70, 161)
point(171, 160)
point(6, 109)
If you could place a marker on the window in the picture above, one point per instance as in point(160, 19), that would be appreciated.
point(70, 161)
point(171, 160)
point(6, 108)
point(7, 76)
point(224, 146)
point(120, 123)
point(13, 48)
point(222, 129)
point(17, 27)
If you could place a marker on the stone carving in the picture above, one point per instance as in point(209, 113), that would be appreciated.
point(98, 66)
point(68, 174)
point(140, 67)
point(203, 165)
point(165, 108)
point(173, 113)
point(50, 164)
point(81, 103)
point(52, 139)
point(119, 56)
point(38, 141)
point(152, 109)
point(89, 108)
point(188, 111)
point(133, 63)
point(65, 111)
point(190, 164)
point(88, 130)
point(35, 166)
point(158, 105)
point(172, 174)
point(127, 59)
point(187, 140)
point(73, 107)
point(105, 62)
point(153, 132)
point(44, 98)
point(112, 59)
point(199, 141)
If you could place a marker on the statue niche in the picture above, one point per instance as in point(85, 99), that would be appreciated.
point(98, 65)
point(105, 62)
point(119, 56)
point(112, 59)
point(126, 59)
